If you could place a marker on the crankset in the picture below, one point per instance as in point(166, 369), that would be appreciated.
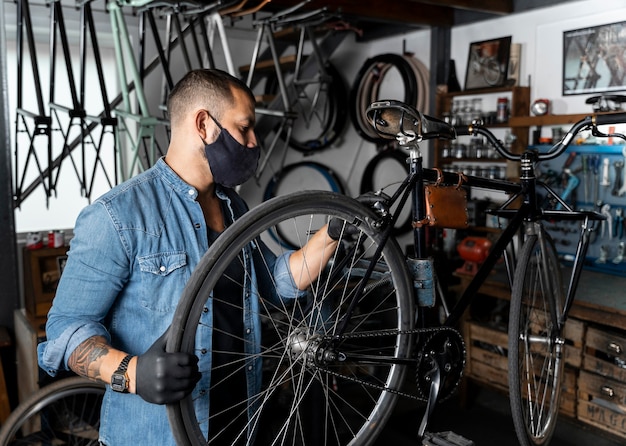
point(443, 350)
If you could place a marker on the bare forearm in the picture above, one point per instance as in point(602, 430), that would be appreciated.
point(307, 263)
point(97, 360)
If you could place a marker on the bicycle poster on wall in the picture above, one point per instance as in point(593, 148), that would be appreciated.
point(594, 59)
point(488, 63)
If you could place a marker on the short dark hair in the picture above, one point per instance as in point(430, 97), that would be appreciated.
point(209, 87)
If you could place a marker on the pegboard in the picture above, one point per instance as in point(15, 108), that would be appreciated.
point(595, 187)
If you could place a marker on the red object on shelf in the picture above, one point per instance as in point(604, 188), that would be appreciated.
point(474, 250)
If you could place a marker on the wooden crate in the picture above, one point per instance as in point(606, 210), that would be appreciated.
point(605, 353)
point(42, 269)
point(487, 361)
point(602, 403)
point(486, 355)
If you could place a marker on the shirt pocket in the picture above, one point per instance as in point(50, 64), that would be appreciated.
point(163, 277)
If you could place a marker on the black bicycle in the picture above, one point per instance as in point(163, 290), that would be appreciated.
point(336, 360)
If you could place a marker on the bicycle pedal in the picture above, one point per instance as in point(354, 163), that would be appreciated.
point(447, 438)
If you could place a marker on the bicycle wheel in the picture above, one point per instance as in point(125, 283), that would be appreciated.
point(535, 341)
point(320, 385)
point(321, 104)
point(64, 412)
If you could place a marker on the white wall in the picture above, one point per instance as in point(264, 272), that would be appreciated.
point(539, 32)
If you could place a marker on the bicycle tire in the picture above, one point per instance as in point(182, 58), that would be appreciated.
point(66, 411)
point(301, 401)
point(321, 106)
point(535, 342)
point(366, 87)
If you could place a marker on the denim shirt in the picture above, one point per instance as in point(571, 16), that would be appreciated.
point(133, 251)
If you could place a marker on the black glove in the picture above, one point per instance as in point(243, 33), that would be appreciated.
point(164, 378)
point(375, 201)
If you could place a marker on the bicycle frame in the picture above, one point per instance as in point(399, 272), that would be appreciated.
point(529, 211)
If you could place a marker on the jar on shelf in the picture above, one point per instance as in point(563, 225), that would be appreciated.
point(502, 111)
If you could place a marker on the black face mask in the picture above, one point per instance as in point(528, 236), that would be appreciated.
point(231, 162)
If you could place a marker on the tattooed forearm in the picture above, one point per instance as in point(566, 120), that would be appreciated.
point(86, 359)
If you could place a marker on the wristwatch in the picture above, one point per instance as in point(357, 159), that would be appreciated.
point(119, 379)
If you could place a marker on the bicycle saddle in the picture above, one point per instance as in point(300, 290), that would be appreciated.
point(396, 120)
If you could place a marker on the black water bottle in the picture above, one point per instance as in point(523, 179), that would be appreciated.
point(452, 82)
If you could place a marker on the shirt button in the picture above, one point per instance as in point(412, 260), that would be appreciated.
point(197, 225)
point(248, 331)
point(205, 310)
point(162, 268)
point(191, 192)
point(203, 351)
point(203, 392)
point(249, 367)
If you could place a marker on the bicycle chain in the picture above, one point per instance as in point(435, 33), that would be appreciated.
point(370, 334)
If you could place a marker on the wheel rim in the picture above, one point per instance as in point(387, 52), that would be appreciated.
point(539, 350)
point(308, 395)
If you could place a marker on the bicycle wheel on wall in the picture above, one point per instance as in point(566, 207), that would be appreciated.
point(535, 341)
point(320, 385)
point(64, 412)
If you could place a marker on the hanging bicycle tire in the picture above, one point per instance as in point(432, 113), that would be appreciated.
point(366, 89)
point(308, 395)
point(64, 412)
point(321, 105)
point(386, 170)
point(305, 175)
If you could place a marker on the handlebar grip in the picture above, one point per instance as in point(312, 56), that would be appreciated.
point(462, 130)
point(611, 118)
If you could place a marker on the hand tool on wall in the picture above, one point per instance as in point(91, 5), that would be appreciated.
point(618, 223)
point(622, 191)
point(607, 225)
point(617, 184)
point(594, 165)
point(604, 254)
point(605, 181)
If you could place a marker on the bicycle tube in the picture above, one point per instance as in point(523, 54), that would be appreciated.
point(322, 109)
point(367, 181)
point(535, 356)
point(52, 407)
point(351, 398)
point(366, 86)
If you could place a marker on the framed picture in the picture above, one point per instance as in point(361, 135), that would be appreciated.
point(488, 63)
point(593, 59)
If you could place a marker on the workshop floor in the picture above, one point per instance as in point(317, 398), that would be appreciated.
point(486, 421)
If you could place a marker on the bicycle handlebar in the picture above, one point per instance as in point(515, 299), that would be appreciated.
point(396, 120)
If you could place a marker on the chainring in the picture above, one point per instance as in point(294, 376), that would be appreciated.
point(444, 348)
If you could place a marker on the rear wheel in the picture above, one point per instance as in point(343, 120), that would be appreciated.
point(329, 370)
point(64, 412)
point(536, 341)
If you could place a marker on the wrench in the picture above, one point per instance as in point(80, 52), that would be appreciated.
point(622, 191)
point(619, 167)
point(608, 223)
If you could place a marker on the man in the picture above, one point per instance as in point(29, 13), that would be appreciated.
point(134, 250)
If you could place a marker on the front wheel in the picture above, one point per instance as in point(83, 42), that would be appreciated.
point(535, 341)
point(331, 360)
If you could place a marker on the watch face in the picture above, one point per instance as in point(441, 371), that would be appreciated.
point(119, 383)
